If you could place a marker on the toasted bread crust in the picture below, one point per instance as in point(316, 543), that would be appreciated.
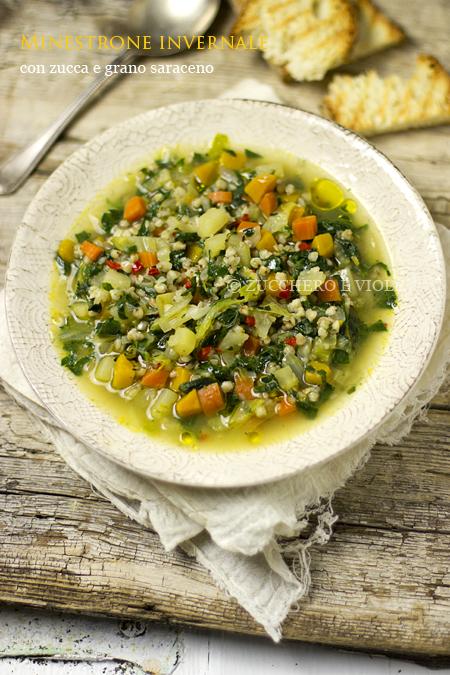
point(376, 31)
point(371, 105)
point(305, 37)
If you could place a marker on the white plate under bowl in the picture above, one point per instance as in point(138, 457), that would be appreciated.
point(402, 218)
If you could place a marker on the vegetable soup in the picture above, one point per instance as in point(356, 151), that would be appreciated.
point(222, 296)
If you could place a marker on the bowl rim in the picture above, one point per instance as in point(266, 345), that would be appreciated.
point(81, 155)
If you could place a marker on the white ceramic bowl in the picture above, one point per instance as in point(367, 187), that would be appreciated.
point(405, 224)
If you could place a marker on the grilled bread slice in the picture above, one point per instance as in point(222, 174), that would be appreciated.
point(375, 30)
point(372, 105)
point(304, 37)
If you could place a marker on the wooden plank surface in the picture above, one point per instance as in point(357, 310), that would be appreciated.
point(383, 582)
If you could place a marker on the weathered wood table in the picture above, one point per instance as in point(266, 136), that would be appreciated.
point(383, 582)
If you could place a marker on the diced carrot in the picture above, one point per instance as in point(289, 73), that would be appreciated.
point(206, 173)
point(156, 378)
point(297, 212)
point(267, 241)
point(182, 375)
point(148, 258)
point(268, 203)
point(91, 251)
point(285, 406)
point(221, 197)
point(211, 399)
point(251, 346)
point(244, 387)
point(246, 225)
point(189, 404)
point(304, 228)
point(135, 208)
point(258, 186)
point(329, 291)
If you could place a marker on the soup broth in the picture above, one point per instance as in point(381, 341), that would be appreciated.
point(222, 297)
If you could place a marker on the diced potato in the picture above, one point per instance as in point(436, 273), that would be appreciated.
point(206, 173)
point(286, 378)
point(232, 161)
point(234, 339)
point(242, 248)
point(279, 220)
point(123, 243)
point(66, 250)
point(163, 404)
point(118, 280)
point(189, 405)
point(183, 341)
point(163, 300)
point(216, 243)
point(324, 244)
point(258, 186)
point(105, 369)
point(123, 373)
point(309, 281)
point(212, 221)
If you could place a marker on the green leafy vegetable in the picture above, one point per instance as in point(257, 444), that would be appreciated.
point(108, 327)
point(111, 218)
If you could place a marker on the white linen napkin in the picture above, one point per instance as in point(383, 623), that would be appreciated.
point(239, 535)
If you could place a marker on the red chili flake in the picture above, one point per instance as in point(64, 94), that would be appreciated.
point(245, 217)
point(291, 341)
point(304, 246)
point(250, 320)
point(153, 271)
point(113, 264)
point(188, 284)
point(137, 267)
point(203, 353)
point(285, 294)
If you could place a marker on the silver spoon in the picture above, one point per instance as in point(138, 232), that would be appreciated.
point(147, 17)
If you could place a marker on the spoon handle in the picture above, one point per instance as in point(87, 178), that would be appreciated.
point(18, 167)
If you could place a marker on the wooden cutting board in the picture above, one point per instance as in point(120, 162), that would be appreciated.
point(383, 581)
